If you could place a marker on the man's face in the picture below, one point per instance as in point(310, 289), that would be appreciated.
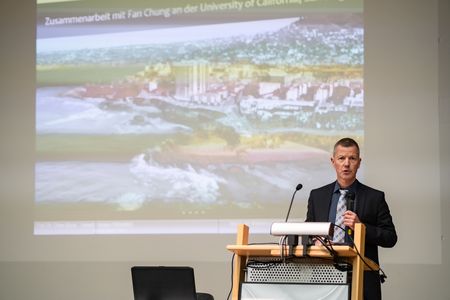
point(346, 162)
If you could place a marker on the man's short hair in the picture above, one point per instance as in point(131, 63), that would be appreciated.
point(346, 142)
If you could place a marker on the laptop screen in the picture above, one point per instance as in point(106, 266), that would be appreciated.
point(163, 283)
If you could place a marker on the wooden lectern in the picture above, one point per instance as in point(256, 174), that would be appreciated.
point(243, 251)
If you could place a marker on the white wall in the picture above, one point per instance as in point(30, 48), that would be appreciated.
point(407, 151)
point(407, 145)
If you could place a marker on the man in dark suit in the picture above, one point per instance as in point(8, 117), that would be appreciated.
point(370, 209)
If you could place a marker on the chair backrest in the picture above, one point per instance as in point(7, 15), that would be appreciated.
point(163, 283)
point(204, 296)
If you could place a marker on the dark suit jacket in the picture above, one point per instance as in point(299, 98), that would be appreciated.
point(373, 212)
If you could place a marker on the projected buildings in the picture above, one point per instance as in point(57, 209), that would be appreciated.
point(190, 79)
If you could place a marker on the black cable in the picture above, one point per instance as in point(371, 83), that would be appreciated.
point(232, 272)
point(382, 275)
point(337, 263)
point(328, 246)
point(232, 266)
point(261, 265)
point(283, 248)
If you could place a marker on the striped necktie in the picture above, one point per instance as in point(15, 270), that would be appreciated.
point(339, 234)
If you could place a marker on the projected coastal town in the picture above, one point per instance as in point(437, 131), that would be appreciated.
point(194, 122)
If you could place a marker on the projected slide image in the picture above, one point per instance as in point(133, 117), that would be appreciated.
point(194, 122)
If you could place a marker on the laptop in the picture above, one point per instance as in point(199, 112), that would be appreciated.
point(163, 283)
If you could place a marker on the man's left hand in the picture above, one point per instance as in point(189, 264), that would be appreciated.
point(350, 219)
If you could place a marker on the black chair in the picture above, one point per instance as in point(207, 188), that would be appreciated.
point(204, 296)
point(165, 283)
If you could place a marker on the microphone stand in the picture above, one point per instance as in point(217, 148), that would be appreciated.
point(292, 240)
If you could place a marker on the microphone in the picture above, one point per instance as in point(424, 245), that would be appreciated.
point(350, 202)
point(292, 239)
point(298, 188)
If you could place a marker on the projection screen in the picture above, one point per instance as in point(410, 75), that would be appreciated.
point(189, 116)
